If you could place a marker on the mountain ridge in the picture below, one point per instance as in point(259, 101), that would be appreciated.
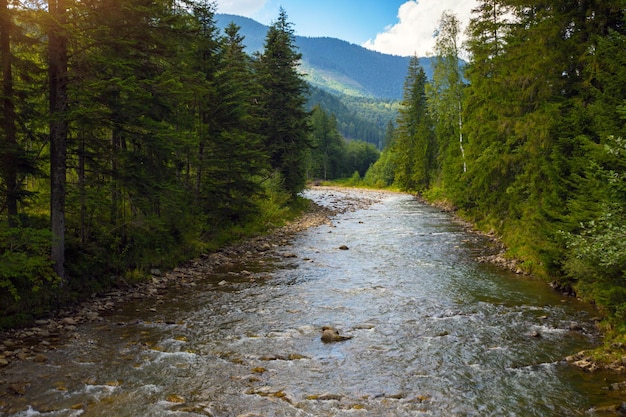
point(336, 65)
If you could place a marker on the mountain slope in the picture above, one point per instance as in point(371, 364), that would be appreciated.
point(335, 65)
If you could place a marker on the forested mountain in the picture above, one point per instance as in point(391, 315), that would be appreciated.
point(335, 65)
point(358, 118)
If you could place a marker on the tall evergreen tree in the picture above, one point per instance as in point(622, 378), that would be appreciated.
point(58, 83)
point(234, 155)
point(413, 146)
point(9, 154)
point(285, 120)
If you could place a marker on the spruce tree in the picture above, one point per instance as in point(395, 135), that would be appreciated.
point(9, 155)
point(58, 100)
point(234, 157)
point(282, 99)
point(413, 146)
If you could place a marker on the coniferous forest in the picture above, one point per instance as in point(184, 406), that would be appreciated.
point(136, 134)
point(527, 139)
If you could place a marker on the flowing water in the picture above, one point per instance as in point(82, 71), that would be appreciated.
point(434, 333)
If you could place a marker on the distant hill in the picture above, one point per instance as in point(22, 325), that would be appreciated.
point(335, 65)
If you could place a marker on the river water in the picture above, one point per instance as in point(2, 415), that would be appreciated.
point(434, 333)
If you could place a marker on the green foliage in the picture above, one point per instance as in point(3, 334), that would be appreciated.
point(282, 96)
point(171, 133)
point(595, 256)
point(273, 203)
point(382, 173)
point(359, 157)
point(358, 118)
point(412, 147)
point(331, 156)
point(25, 264)
point(355, 179)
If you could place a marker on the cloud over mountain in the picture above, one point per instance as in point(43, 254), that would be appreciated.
point(417, 21)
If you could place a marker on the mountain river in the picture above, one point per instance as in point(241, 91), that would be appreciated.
point(434, 333)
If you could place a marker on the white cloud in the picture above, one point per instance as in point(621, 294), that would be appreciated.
point(240, 7)
point(418, 19)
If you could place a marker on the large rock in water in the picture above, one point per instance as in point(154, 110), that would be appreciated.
point(330, 334)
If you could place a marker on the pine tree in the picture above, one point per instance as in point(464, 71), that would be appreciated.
point(9, 155)
point(282, 98)
point(413, 146)
point(58, 83)
point(234, 157)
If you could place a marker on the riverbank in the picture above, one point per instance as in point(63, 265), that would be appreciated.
point(31, 343)
point(611, 356)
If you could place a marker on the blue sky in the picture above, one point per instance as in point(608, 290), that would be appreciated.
point(399, 27)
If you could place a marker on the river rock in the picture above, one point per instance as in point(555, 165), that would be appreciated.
point(575, 327)
point(330, 335)
point(8, 343)
point(70, 321)
point(329, 397)
point(17, 388)
point(92, 315)
point(40, 358)
point(173, 398)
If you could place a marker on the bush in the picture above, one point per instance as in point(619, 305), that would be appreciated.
point(25, 265)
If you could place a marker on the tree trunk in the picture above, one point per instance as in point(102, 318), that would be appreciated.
point(57, 77)
point(9, 158)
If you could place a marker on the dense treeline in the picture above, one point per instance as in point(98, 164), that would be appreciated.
point(134, 134)
point(528, 141)
point(331, 156)
point(358, 118)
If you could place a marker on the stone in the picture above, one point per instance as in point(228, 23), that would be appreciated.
point(69, 321)
point(8, 343)
point(173, 398)
point(330, 335)
point(92, 316)
point(575, 327)
point(40, 358)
